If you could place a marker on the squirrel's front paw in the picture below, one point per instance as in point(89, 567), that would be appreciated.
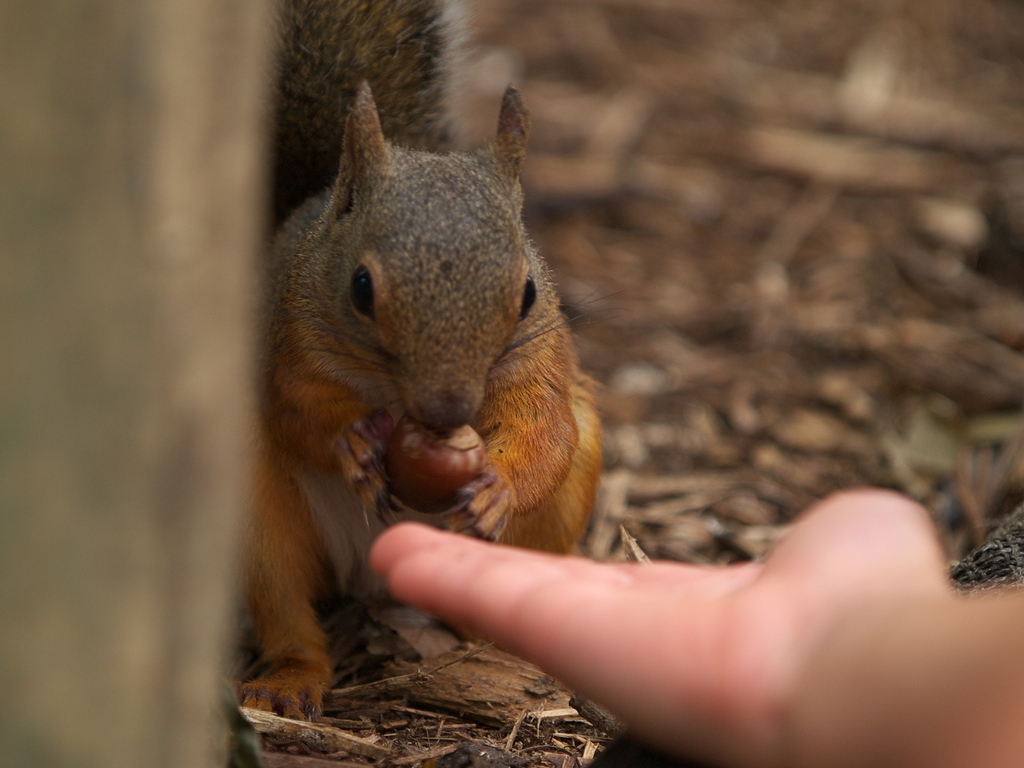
point(295, 690)
point(482, 508)
point(361, 450)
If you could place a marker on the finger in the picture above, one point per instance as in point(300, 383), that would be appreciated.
point(853, 551)
point(641, 639)
point(869, 541)
point(474, 583)
point(442, 570)
point(465, 581)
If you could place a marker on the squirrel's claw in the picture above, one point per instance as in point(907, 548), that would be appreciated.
point(482, 506)
point(290, 692)
point(361, 450)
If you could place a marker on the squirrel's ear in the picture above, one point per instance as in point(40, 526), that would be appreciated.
point(363, 148)
point(513, 130)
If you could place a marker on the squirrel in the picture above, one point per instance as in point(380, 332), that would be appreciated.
point(405, 285)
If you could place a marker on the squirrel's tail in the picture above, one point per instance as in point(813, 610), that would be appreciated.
point(408, 50)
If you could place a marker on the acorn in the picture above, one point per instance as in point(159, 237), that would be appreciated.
point(427, 470)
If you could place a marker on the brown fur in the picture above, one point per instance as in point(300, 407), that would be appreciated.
point(444, 339)
point(405, 49)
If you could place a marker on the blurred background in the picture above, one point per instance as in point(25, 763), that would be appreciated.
point(790, 234)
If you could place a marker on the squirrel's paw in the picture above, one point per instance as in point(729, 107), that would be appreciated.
point(295, 690)
point(482, 506)
point(361, 450)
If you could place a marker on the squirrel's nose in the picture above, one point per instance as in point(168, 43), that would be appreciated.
point(447, 411)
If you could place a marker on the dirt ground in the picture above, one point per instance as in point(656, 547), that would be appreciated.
point(790, 236)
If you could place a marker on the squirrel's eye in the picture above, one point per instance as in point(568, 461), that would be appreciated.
point(362, 291)
point(529, 296)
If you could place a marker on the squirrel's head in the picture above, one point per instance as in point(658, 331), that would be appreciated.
point(436, 275)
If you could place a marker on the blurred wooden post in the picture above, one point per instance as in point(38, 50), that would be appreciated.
point(130, 199)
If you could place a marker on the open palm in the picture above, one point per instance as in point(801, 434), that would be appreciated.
point(700, 661)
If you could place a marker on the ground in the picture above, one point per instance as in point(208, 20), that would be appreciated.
point(790, 236)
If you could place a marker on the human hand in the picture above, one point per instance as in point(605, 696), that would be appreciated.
point(699, 661)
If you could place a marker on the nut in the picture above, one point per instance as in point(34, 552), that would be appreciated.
point(427, 470)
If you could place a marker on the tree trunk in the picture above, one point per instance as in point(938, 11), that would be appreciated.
point(131, 200)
